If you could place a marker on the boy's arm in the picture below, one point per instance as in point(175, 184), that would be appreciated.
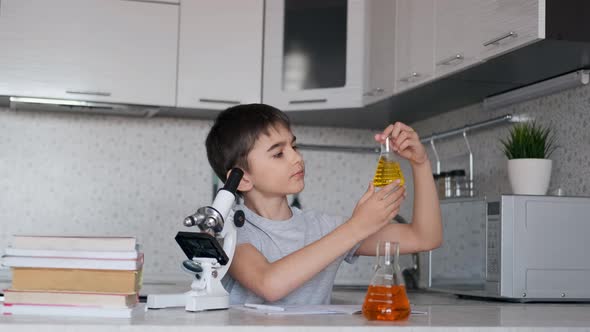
point(273, 281)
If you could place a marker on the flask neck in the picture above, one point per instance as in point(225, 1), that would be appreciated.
point(387, 253)
point(387, 271)
point(386, 152)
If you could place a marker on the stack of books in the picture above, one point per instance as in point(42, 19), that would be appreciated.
point(73, 276)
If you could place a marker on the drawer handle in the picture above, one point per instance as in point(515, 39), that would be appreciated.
point(308, 101)
point(374, 92)
point(219, 101)
point(412, 77)
point(495, 41)
point(457, 57)
point(153, 1)
point(89, 93)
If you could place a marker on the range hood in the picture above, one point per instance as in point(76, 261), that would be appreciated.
point(79, 106)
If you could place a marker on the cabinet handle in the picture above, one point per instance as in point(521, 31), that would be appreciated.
point(410, 77)
point(89, 93)
point(153, 1)
point(308, 101)
point(219, 101)
point(457, 57)
point(494, 41)
point(374, 92)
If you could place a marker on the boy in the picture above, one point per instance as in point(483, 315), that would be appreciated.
point(288, 256)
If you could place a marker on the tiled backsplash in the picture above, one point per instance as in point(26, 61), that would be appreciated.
point(568, 113)
point(83, 174)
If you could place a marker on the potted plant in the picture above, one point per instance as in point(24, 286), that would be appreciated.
point(528, 148)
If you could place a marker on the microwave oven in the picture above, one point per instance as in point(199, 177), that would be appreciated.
point(520, 248)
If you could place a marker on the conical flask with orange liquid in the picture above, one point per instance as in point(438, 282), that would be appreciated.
point(388, 168)
point(386, 297)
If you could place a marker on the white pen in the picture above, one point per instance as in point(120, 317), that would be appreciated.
point(264, 307)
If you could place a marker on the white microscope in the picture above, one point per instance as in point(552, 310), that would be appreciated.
point(209, 252)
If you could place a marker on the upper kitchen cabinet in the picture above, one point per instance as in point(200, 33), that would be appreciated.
point(508, 24)
point(470, 31)
point(379, 66)
point(328, 54)
point(94, 50)
point(414, 46)
point(457, 34)
point(220, 53)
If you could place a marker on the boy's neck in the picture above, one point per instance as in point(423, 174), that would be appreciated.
point(273, 208)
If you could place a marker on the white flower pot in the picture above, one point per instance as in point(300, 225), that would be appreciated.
point(529, 176)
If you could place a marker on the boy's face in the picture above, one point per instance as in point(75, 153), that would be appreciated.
point(275, 165)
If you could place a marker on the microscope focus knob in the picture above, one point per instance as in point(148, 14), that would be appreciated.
point(190, 221)
point(239, 218)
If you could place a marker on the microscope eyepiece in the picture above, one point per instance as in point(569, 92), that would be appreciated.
point(233, 180)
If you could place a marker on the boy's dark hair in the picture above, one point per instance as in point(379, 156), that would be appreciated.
point(234, 133)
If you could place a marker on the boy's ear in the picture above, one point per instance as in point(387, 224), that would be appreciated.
point(245, 184)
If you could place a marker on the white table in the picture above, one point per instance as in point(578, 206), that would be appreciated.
point(445, 313)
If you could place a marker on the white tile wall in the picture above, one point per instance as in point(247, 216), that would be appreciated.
point(83, 174)
point(90, 175)
point(568, 113)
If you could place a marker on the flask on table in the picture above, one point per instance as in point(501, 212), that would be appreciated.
point(386, 297)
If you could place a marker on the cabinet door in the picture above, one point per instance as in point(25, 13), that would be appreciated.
point(414, 48)
point(457, 39)
point(313, 54)
point(380, 51)
point(508, 24)
point(220, 53)
point(96, 50)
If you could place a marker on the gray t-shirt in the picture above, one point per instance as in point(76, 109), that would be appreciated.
point(277, 239)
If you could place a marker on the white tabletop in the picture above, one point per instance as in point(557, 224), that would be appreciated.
point(445, 313)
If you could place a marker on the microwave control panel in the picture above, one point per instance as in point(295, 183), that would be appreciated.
point(493, 242)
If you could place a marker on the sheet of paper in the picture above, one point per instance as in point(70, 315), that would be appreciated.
point(330, 309)
point(305, 309)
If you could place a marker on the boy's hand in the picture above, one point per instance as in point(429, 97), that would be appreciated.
point(376, 209)
point(405, 141)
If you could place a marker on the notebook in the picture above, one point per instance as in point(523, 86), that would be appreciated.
point(90, 243)
point(72, 311)
point(74, 263)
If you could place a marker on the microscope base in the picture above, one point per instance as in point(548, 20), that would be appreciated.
point(201, 303)
point(160, 301)
point(189, 302)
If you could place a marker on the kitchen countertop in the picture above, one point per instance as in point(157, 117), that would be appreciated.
point(445, 312)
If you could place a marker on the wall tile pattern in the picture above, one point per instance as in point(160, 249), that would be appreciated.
point(86, 174)
point(76, 174)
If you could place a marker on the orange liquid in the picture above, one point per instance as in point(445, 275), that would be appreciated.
point(386, 303)
point(387, 172)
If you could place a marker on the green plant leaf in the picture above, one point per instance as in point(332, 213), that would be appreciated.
point(529, 140)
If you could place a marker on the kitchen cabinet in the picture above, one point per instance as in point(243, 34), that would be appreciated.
point(328, 54)
point(220, 53)
point(470, 31)
point(379, 67)
point(508, 24)
point(414, 43)
point(94, 50)
point(457, 35)
point(437, 38)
